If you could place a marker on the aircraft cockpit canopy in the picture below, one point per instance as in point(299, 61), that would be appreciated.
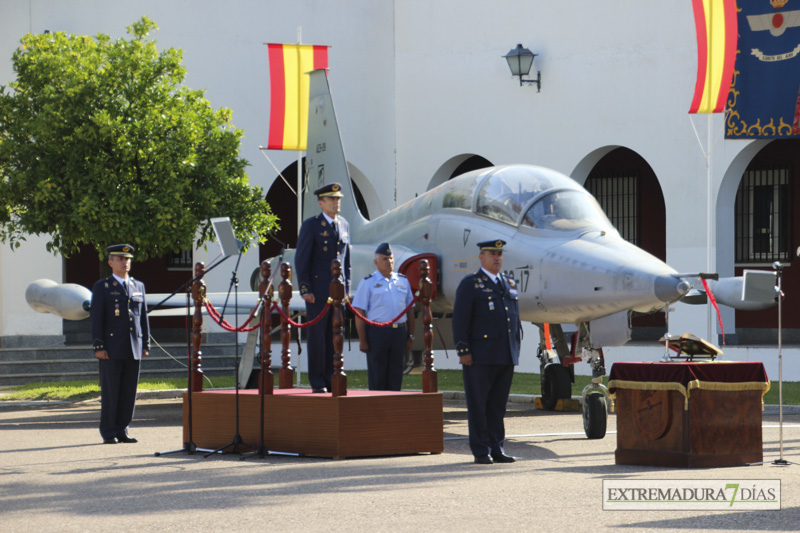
point(505, 192)
point(549, 200)
point(566, 210)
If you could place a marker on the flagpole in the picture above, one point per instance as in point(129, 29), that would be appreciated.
point(299, 129)
point(709, 223)
point(299, 174)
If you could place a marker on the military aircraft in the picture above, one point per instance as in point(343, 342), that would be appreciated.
point(569, 263)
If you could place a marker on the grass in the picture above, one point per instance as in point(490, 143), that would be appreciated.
point(449, 380)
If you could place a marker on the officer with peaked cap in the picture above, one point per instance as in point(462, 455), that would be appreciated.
point(121, 337)
point(322, 239)
point(381, 297)
point(487, 335)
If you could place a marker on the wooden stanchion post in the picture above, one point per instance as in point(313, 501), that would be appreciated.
point(339, 379)
point(195, 383)
point(430, 381)
point(267, 380)
point(285, 374)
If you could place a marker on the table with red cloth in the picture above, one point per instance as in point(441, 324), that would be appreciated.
point(688, 414)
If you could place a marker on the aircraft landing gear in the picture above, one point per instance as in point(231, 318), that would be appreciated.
point(555, 385)
point(595, 416)
point(556, 379)
point(595, 413)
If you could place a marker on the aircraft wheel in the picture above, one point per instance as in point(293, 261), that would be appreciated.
point(555, 385)
point(595, 415)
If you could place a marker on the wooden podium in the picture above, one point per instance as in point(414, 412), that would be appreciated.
point(688, 414)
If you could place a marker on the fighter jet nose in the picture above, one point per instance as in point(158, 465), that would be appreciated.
point(670, 288)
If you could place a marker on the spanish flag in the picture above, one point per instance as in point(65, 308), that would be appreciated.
point(289, 65)
point(717, 34)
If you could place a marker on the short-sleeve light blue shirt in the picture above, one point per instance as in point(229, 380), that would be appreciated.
point(383, 299)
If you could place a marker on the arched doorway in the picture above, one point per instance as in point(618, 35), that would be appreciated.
point(629, 192)
point(457, 165)
point(766, 231)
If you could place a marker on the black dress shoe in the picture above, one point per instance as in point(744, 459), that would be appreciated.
point(126, 439)
point(319, 389)
point(483, 460)
point(110, 440)
point(502, 458)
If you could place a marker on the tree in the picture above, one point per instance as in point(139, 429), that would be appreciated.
point(100, 143)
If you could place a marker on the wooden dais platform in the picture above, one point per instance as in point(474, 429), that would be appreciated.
point(361, 424)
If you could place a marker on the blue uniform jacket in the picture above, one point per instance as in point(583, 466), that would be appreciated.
point(486, 322)
point(119, 318)
point(318, 244)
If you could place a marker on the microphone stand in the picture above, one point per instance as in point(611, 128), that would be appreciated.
point(266, 336)
point(780, 461)
point(237, 438)
point(266, 350)
point(189, 446)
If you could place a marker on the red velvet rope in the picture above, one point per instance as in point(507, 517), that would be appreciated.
point(382, 324)
point(212, 312)
point(298, 324)
point(716, 308)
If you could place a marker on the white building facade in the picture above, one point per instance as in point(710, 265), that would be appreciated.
point(421, 87)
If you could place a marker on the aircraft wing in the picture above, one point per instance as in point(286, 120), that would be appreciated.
point(221, 301)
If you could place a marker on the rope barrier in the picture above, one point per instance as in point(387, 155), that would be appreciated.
point(306, 324)
point(382, 324)
point(214, 314)
point(224, 324)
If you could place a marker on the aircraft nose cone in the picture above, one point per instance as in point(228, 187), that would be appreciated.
point(670, 288)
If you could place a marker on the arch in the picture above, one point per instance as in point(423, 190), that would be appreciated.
point(366, 196)
point(581, 171)
point(724, 209)
point(617, 163)
point(757, 327)
point(628, 189)
point(455, 166)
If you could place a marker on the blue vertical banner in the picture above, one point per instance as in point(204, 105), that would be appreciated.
point(764, 101)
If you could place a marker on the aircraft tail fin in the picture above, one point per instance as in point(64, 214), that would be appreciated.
point(325, 159)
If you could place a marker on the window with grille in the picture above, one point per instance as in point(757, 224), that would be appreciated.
point(763, 220)
point(180, 260)
point(619, 198)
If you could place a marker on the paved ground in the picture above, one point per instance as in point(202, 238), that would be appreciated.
point(57, 477)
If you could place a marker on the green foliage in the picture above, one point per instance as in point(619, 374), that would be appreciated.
point(100, 143)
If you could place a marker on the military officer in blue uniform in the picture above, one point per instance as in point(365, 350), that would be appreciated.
point(381, 297)
point(487, 334)
point(322, 239)
point(121, 337)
